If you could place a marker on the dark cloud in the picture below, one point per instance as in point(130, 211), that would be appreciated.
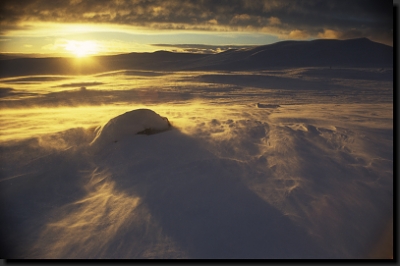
point(284, 18)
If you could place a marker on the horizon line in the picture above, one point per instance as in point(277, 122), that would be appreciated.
point(179, 45)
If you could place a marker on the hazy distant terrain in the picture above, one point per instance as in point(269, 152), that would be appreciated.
point(287, 54)
point(277, 151)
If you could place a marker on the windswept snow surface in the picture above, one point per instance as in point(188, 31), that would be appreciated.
point(282, 163)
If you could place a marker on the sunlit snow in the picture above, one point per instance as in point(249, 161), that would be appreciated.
point(280, 163)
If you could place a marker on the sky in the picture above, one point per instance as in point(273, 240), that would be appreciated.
point(90, 27)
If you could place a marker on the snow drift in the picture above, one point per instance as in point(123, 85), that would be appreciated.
point(141, 121)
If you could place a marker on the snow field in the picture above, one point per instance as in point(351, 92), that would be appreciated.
point(267, 174)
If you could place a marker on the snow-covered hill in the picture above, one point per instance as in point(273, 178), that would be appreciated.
point(317, 53)
point(286, 54)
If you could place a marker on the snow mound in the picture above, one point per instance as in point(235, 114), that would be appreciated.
point(140, 121)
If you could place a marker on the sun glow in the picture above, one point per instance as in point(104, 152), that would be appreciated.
point(82, 48)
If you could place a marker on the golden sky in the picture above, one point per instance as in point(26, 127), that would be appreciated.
point(82, 27)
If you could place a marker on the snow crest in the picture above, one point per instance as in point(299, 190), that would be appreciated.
point(140, 121)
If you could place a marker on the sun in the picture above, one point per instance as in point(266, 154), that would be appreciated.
point(82, 48)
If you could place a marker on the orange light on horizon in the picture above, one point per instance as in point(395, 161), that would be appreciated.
point(82, 48)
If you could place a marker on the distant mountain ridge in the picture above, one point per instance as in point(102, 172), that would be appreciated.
point(360, 52)
point(322, 52)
